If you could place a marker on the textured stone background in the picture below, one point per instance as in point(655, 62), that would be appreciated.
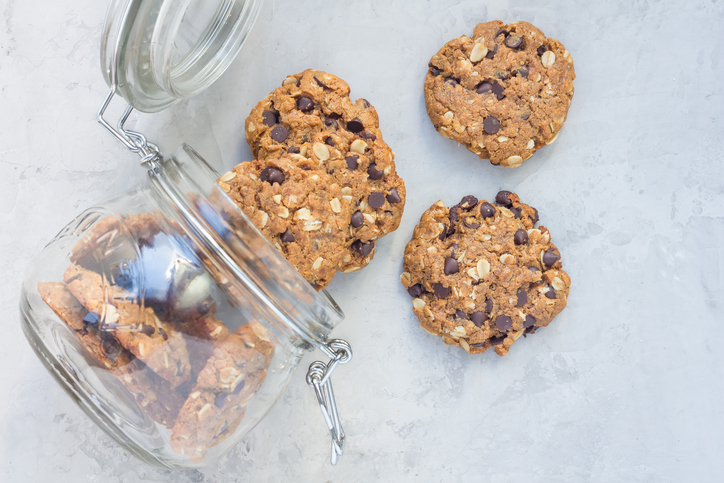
point(626, 385)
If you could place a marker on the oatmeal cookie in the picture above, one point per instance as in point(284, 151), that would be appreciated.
point(481, 274)
point(137, 328)
point(503, 93)
point(299, 208)
point(153, 393)
point(228, 383)
point(311, 117)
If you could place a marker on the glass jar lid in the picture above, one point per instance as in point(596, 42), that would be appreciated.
point(162, 51)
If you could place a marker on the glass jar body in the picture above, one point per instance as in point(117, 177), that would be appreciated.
point(168, 317)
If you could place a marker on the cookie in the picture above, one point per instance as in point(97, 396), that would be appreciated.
point(155, 342)
point(228, 383)
point(311, 117)
point(481, 274)
point(105, 232)
point(154, 394)
point(299, 208)
point(503, 93)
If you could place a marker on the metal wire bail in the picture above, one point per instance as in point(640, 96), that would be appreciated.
point(318, 377)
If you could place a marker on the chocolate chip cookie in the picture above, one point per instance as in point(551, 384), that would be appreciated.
point(154, 394)
point(225, 387)
point(503, 93)
point(481, 274)
point(311, 117)
point(299, 208)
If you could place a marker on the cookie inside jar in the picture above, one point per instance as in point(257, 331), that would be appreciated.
point(143, 306)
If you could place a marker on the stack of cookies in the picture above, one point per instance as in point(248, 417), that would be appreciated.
point(323, 187)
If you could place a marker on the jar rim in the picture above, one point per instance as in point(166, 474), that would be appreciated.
point(162, 51)
point(243, 252)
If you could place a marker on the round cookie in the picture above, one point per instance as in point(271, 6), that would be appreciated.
point(503, 94)
point(311, 117)
point(299, 208)
point(481, 275)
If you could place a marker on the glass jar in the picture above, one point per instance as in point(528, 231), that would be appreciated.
point(163, 312)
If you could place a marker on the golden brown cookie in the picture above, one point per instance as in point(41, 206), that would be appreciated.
point(503, 93)
point(155, 342)
point(481, 275)
point(299, 208)
point(232, 376)
point(311, 117)
point(153, 393)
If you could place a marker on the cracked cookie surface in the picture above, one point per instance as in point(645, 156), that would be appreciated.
point(481, 274)
point(503, 93)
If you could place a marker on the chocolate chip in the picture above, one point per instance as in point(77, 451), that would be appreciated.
point(533, 268)
point(219, 400)
point(287, 237)
point(525, 116)
point(373, 172)
point(270, 118)
point(488, 305)
point(147, 330)
point(513, 41)
point(520, 237)
point(394, 196)
point(111, 347)
point(523, 72)
point(376, 199)
point(352, 163)
point(91, 318)
point(238, 388)
point(503, 323)
point(502, 75)
point(443, 234)
point(491, 53)
point(451, 266)
point(522, 297)
point(365, 102)
point(472, 226)
point(502, 198)
point(468, 202)
point(440, 291)
point(272, 175)
point(499, 32)
point(328, 140)
point(163, 333)
point(551, 293)
point(294, 150)
point(357, 219)
point(321, 84)
point(498, 91)
point(415, 291)
point(491, 125)
point(484, 87)
point(497, 340)
point(367, 135)
point(516, 211)
point(460, 314)
point(362, 248)
point(550, 257)
point(453, 82)
point(355, 125)
point(478, 318)
point(529, 321)
point(329, 122)
point(279, 133)
point(542, 49)
point(487, 210)
point(535, 217)
point(435, 71)
point(305, 104)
